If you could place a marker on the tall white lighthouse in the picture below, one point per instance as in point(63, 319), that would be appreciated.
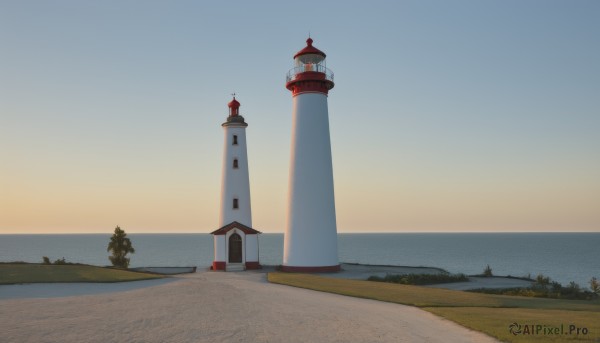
point(310, 243)
point(235, 242)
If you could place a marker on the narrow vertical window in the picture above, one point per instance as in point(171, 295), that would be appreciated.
point(235, 204)
point(235, 140)
point(235, 163)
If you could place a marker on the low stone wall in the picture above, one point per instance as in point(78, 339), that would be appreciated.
point(166, 270)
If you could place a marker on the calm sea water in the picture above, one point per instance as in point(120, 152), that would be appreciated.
point(564, 257)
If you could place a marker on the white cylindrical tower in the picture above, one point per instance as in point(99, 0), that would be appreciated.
point(235, 241)
point(310, 243)
point(235, 181)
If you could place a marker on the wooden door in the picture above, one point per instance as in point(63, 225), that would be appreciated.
point(235, 248)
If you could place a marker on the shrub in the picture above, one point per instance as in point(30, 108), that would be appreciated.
point(574, 287)
point(541, 290)
point(421, 279)
point(60, 261)
point(542, 281)
point(487, 272)
point(595, 286)
point(556, 287)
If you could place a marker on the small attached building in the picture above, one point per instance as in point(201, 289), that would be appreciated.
point(236, 248)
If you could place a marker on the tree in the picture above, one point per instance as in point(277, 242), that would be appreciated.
point(487, 271)
point(542, 281)
point(595, 285)
point(119, 246)
point(574, 287)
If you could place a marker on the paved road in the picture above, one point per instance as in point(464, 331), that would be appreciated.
point(220, 307)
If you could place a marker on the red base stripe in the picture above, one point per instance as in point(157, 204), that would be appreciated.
point(218, 265)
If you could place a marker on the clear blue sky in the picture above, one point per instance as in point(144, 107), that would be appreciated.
point(446, 115)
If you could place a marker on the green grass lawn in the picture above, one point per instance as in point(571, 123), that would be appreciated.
point(35, 273)
point(488, 313)
point(495, 322)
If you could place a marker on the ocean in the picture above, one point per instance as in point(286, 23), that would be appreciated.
point(564, 257)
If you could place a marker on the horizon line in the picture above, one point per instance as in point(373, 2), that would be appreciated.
point(263, 233)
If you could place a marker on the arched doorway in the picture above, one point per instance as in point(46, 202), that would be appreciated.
point(235, 248)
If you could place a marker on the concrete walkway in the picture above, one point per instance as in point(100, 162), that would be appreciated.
point(218, 307)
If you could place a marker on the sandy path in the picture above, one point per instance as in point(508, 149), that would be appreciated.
point(222, 307)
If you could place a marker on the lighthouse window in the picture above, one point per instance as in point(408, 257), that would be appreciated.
point(235, 163)
point(236, 204)
point(235, 140)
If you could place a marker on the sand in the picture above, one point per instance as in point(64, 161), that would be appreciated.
point(215, 307)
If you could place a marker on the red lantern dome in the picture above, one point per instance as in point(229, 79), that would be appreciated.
point(310, 49)
point(234, 118)
point(234, 107)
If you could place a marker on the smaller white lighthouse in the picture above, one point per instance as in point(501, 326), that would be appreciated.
point(235, 242)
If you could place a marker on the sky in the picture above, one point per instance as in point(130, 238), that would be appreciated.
point(469, 116)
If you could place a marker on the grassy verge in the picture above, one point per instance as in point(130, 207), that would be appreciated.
point(37, 273)
point(496, 321)
point(488, 313)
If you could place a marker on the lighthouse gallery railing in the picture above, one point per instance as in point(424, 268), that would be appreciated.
point(293, 73)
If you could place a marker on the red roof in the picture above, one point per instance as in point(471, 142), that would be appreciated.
point(309, 49)
point(235, 225)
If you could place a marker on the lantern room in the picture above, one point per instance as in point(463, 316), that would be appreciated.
point(310, 72)
point(234, 108)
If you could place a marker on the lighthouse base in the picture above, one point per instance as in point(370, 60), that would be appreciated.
point(316, 269)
